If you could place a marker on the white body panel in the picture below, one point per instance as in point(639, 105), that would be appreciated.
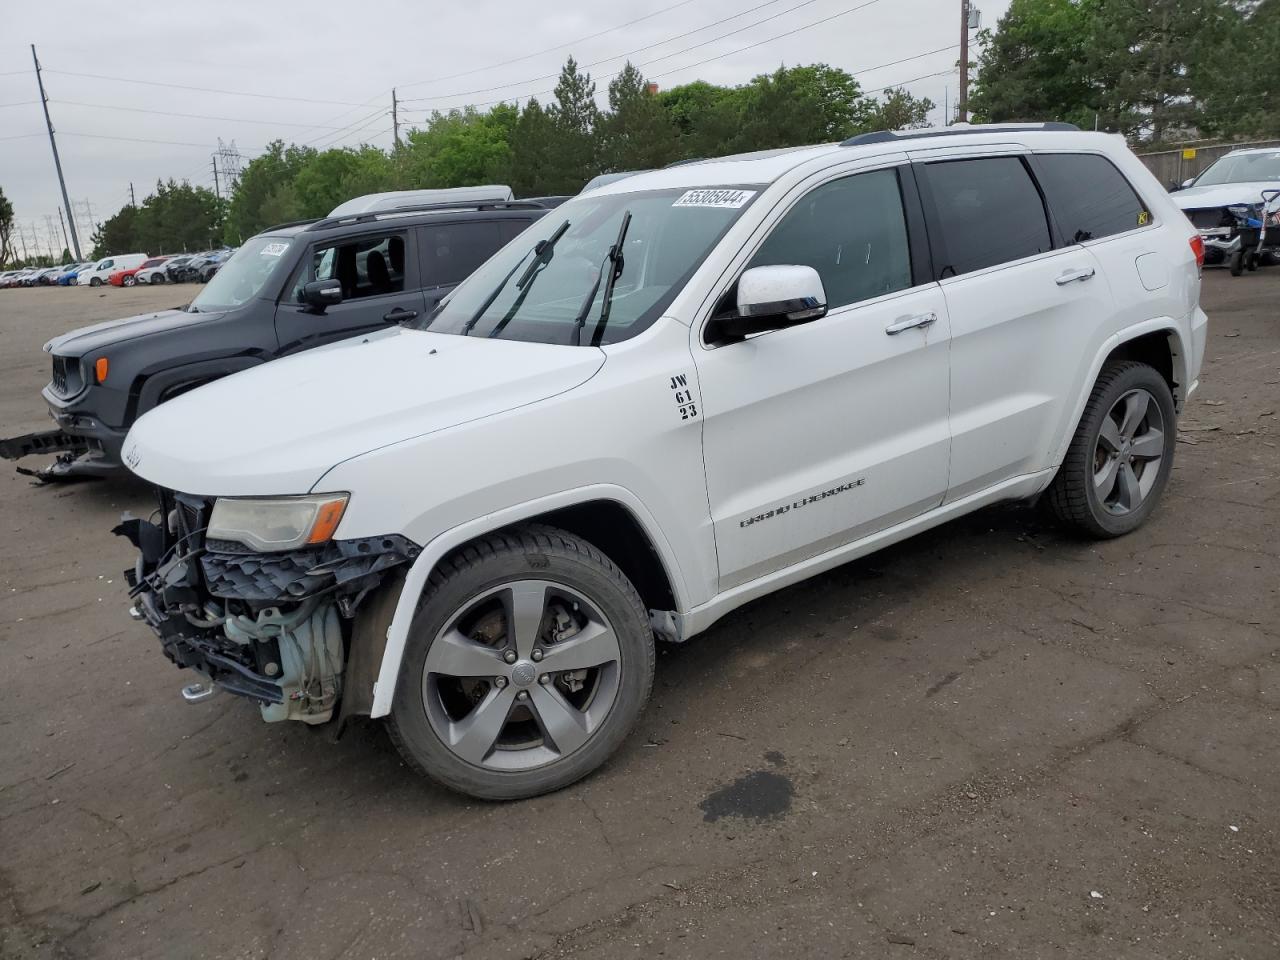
point(443, 438)
point(105, 267)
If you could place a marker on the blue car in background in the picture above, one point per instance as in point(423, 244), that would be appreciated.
point(68, 276)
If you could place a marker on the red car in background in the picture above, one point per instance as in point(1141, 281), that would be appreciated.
point(125, 278)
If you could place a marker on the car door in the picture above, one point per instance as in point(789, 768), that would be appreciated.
point(1020, 301)
point(821, 434)
point(380, 287)
point(452, 249)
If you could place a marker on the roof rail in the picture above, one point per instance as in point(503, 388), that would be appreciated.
point(375, 215)
point(892, 136)
point(282, 226)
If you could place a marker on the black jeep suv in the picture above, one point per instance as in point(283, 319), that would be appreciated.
point(290, 288)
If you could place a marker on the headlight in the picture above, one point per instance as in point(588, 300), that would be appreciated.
point(283, 523)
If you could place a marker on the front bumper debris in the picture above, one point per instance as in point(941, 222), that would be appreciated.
point(272, 627)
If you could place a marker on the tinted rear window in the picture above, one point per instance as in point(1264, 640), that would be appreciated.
point(1090, 198)
point(451, 251)
point(989, 212)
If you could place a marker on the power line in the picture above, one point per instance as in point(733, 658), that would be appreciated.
point(192, 116)
point(903, 83)
point(23, 136)
point(561, 46)
point(629, 53)
point(180, 86)
point(20, 103)
point(103, 136)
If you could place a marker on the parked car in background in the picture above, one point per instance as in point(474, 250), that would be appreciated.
point(341, 276)
point(1235, 205)
point(97, 275)
point(39, 277)
point(11, 278)
point(672, 395)
point(153, 271)
point(129, 276)
point(174, 266)
point(68, 276)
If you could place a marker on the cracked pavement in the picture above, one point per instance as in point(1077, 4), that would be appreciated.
point(993, 740)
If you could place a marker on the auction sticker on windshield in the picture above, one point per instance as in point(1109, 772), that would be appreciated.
point(715, 197)
point(273, 249)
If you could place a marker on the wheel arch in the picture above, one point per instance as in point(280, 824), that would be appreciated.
point(643, 553)
point(1157, 342)
point(154, 388)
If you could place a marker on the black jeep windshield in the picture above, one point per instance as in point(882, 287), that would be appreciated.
point(1242, 168)
point(540, 286)
point(243, 276)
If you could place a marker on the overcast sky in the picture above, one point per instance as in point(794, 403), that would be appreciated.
point(322, 72)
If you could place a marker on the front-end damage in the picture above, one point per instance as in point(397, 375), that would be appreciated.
point(276, 627)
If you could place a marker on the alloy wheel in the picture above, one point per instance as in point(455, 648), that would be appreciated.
point(1128, 452)
point(521, 675)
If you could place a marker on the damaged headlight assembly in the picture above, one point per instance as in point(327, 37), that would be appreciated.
point(275, 524)
point(256, 595)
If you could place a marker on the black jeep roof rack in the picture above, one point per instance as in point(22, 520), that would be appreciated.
point(891, 136)
point(291, 223)
point(373, 215)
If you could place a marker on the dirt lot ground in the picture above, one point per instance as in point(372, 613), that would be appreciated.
point(991, 741)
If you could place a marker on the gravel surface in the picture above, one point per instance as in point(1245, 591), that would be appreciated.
point(994, 740)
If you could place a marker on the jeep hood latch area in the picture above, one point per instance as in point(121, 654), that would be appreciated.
point(273, 627)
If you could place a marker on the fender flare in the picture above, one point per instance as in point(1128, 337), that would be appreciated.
point(1165, 325)
point(154, 386)
point(434, 551)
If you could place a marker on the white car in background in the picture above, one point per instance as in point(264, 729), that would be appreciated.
point(153, 271)
point(673, 394)
point(97, 274)
point(1235, 206)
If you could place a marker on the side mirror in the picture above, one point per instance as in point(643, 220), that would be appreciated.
point(319, 294)
point(772, 298)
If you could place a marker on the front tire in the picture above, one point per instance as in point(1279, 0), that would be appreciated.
point(501, 712)
point(129, 281)
point(1121, 455)
point(95, 281)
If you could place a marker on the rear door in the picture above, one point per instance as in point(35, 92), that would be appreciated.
point(379, 274)
point(452, 250)
point(1023, 305)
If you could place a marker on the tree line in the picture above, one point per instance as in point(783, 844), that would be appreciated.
point(539, 150)
point(1156, 71)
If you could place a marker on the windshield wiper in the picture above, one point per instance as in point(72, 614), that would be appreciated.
point(615, 261)
point(542, 252)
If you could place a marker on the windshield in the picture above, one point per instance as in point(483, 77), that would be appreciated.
point(1242, 168)
point(537, 291)
point(243, 276)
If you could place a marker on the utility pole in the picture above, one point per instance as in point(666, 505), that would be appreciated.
point(133, 201)
point(217, 190)
point(65, 244)
point(44, 102)
point(395, 117)
point(963, 106)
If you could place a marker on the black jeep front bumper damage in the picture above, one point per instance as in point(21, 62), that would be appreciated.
point(272, 627)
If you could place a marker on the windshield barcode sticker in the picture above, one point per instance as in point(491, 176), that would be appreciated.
point(715, 197)
point(274, 249)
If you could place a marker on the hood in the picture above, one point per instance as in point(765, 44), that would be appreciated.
point(100, 336)
point(1223, 195)
point(278, 428)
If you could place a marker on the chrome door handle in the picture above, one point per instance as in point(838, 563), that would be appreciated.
point(1072, 276)
point(910, 323)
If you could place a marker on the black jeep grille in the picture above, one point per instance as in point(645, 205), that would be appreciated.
point(66, 380)
point(60, 375)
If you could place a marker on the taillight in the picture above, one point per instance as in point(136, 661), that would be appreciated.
point(1197, 247)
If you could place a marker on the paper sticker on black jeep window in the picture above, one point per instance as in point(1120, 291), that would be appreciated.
point(715, 197)
point(274, 249)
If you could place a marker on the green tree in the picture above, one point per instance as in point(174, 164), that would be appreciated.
point(118, 234)
point(705, 116)
point(178, 217)
point(574, 117)
point(1240, 87)
point(260, 195)
point(461, 148)
point(533, 152)
point(327, 179)
point(899, 110)
point(636, 133)
point(1034, 65)
point(800, 105)
point(6, 230)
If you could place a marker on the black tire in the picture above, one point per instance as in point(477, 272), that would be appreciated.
point(129, 281)
point(95, 281)
point(1073, 495)
point(1251, 262)
point(527, 552)
point(1236, 264)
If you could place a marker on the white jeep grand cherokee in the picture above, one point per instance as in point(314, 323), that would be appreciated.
point(680, 391)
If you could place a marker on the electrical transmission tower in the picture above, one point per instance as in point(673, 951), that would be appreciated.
point(229, 164)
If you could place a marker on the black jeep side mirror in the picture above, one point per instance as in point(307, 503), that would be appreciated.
point(319, 294)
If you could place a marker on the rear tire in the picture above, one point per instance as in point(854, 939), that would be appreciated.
point(129, 281)
point(1236, 264)
point(1121, 455)
point(95, 281)
point(504, 713)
